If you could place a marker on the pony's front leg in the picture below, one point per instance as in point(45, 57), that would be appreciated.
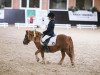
point(42, 55)
point(36, 54)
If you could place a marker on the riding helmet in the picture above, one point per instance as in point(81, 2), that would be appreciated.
point(51, 15)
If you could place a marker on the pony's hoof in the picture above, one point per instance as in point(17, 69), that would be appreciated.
point(73, 65)
point(42, 62)
point(59, 63)
point(37, 59)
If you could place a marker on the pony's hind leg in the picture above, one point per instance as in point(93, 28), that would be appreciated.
point(71, 55)
point(63, 56)
point(72, 60)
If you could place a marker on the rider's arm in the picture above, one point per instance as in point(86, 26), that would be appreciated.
point(49, 28)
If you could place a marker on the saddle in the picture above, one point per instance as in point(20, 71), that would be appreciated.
point(51, 41)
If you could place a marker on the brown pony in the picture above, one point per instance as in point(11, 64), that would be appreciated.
point(63, 43)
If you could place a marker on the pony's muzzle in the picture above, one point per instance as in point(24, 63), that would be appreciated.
point(25, 43)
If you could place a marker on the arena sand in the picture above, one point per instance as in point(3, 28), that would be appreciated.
point(19, 59)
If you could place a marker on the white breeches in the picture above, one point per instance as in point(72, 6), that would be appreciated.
point(45, 37)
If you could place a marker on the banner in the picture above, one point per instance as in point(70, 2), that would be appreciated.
point(83, 16)
point(1, 14)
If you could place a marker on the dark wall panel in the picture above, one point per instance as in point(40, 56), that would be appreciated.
point(61, 17)
point(12, 16)
point(98, 18)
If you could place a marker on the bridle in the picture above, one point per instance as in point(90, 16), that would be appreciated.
point(35, 33)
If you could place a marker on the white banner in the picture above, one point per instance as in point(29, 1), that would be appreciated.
point(1, 14)
point(83, 16)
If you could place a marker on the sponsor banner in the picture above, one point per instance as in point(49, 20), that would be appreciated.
point(83, 16)
point(1, 14)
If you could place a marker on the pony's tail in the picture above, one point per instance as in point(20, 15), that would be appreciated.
point(71, 48)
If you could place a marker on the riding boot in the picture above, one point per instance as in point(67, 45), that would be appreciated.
point(45, 47)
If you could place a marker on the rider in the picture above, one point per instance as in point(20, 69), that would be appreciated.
point(49, 32)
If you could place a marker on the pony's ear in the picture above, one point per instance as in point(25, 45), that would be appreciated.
point(38, 34)
point(27, 31)
point(35, 30)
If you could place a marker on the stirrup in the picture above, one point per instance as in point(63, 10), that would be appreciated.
point(46, 49)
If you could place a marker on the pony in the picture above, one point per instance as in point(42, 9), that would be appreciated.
point(64, 43)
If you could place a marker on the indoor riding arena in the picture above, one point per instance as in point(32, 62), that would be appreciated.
point(19, 59)
point(78, 20)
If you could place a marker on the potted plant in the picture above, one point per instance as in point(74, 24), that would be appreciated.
point(2, 5)
point(73, 9)
point(93, 9)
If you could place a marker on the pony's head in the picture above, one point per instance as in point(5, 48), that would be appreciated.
point(30, 36)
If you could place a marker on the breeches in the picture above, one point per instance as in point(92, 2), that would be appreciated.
point(45, 38)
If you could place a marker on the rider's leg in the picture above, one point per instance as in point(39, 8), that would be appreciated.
point(45, 37)
point(45, 42)
point(45, 46)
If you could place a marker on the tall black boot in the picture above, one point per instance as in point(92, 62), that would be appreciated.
point(45, 47)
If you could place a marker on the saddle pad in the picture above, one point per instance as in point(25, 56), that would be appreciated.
point(52, 41)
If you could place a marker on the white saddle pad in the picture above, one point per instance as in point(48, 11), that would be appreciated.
point(52, 41)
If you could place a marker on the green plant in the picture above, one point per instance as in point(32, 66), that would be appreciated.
point(93, 9)
point(73, 9)
point(1, 6)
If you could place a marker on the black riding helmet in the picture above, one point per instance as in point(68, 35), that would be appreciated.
point(51, 15)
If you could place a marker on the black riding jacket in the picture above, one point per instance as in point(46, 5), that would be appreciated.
point(50, 29)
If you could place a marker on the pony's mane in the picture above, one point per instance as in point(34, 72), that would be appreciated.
point(38, 32)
